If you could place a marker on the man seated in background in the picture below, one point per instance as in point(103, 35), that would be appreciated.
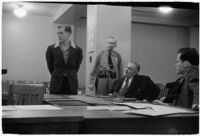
point(168, 92)
point(186, 92)
point(133, 85)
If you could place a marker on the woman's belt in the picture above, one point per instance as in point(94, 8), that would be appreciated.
point(107, 74)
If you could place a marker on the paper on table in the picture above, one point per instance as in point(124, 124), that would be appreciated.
point(159, 110)
point(54, 96)
point(8, 108)
point(136, 105)
point(115, 99)
point(6, 114)
point(90, 100)
point(38, 107)
point(112, 108)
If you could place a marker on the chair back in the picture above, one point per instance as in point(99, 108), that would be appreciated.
point(26, 94)
point(5, 86)
point(163, 90)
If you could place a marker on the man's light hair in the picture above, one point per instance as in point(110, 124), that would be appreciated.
point(67, 29)
point(114, 41)
point(136, 64)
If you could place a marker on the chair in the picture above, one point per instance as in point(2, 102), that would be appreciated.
point(163, 90)
point(5, 86)
point(26, 94)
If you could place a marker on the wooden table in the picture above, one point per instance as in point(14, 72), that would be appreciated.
point(95, 122)
point(100, 122)
point(41, 122)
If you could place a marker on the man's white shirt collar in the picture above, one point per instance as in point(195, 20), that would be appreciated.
point(71, 44)
point(129, 81)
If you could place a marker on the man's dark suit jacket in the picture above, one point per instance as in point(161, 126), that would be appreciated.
point(58, 68)
point(172, 91)
point(141, 87)
point(188, 92)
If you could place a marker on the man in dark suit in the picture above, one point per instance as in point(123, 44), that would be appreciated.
point(185, 91)
point(172, 88)
point(134, 85)
point(63, 61)
point(187, 65)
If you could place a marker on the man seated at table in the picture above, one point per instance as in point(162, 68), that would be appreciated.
point(168, 92)
point(186, 92)
point(133, 85)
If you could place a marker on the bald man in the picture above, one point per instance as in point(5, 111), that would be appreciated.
point(134, 85)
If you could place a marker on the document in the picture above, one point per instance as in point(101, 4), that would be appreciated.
point(54, 96)
point(91, 100)
point(37, 107)
point(155, 110)
point(115, 99)
point(111, 108)
point(9, 108)
point(136, 105)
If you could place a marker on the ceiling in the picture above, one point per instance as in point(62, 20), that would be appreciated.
point(42, 9)
point(177, 13)
point(80, 10)
point(74, 13)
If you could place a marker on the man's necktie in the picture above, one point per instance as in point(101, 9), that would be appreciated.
point(110, 60)
point(125, 87)
point(180, 80)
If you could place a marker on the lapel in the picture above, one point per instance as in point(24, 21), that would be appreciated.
point(72, 53)
point(133, 83)
point(120, 83)
point(180, 85)
point(60, 54)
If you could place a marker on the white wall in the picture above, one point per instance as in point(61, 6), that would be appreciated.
point(155, 47)
point(194, 37)
point(104, 21)
point(80, 40)
point(115, 21)
point(24, 43)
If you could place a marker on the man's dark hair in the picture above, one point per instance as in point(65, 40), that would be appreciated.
point(181, 50)
point(189, 54)
point(68, 29)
